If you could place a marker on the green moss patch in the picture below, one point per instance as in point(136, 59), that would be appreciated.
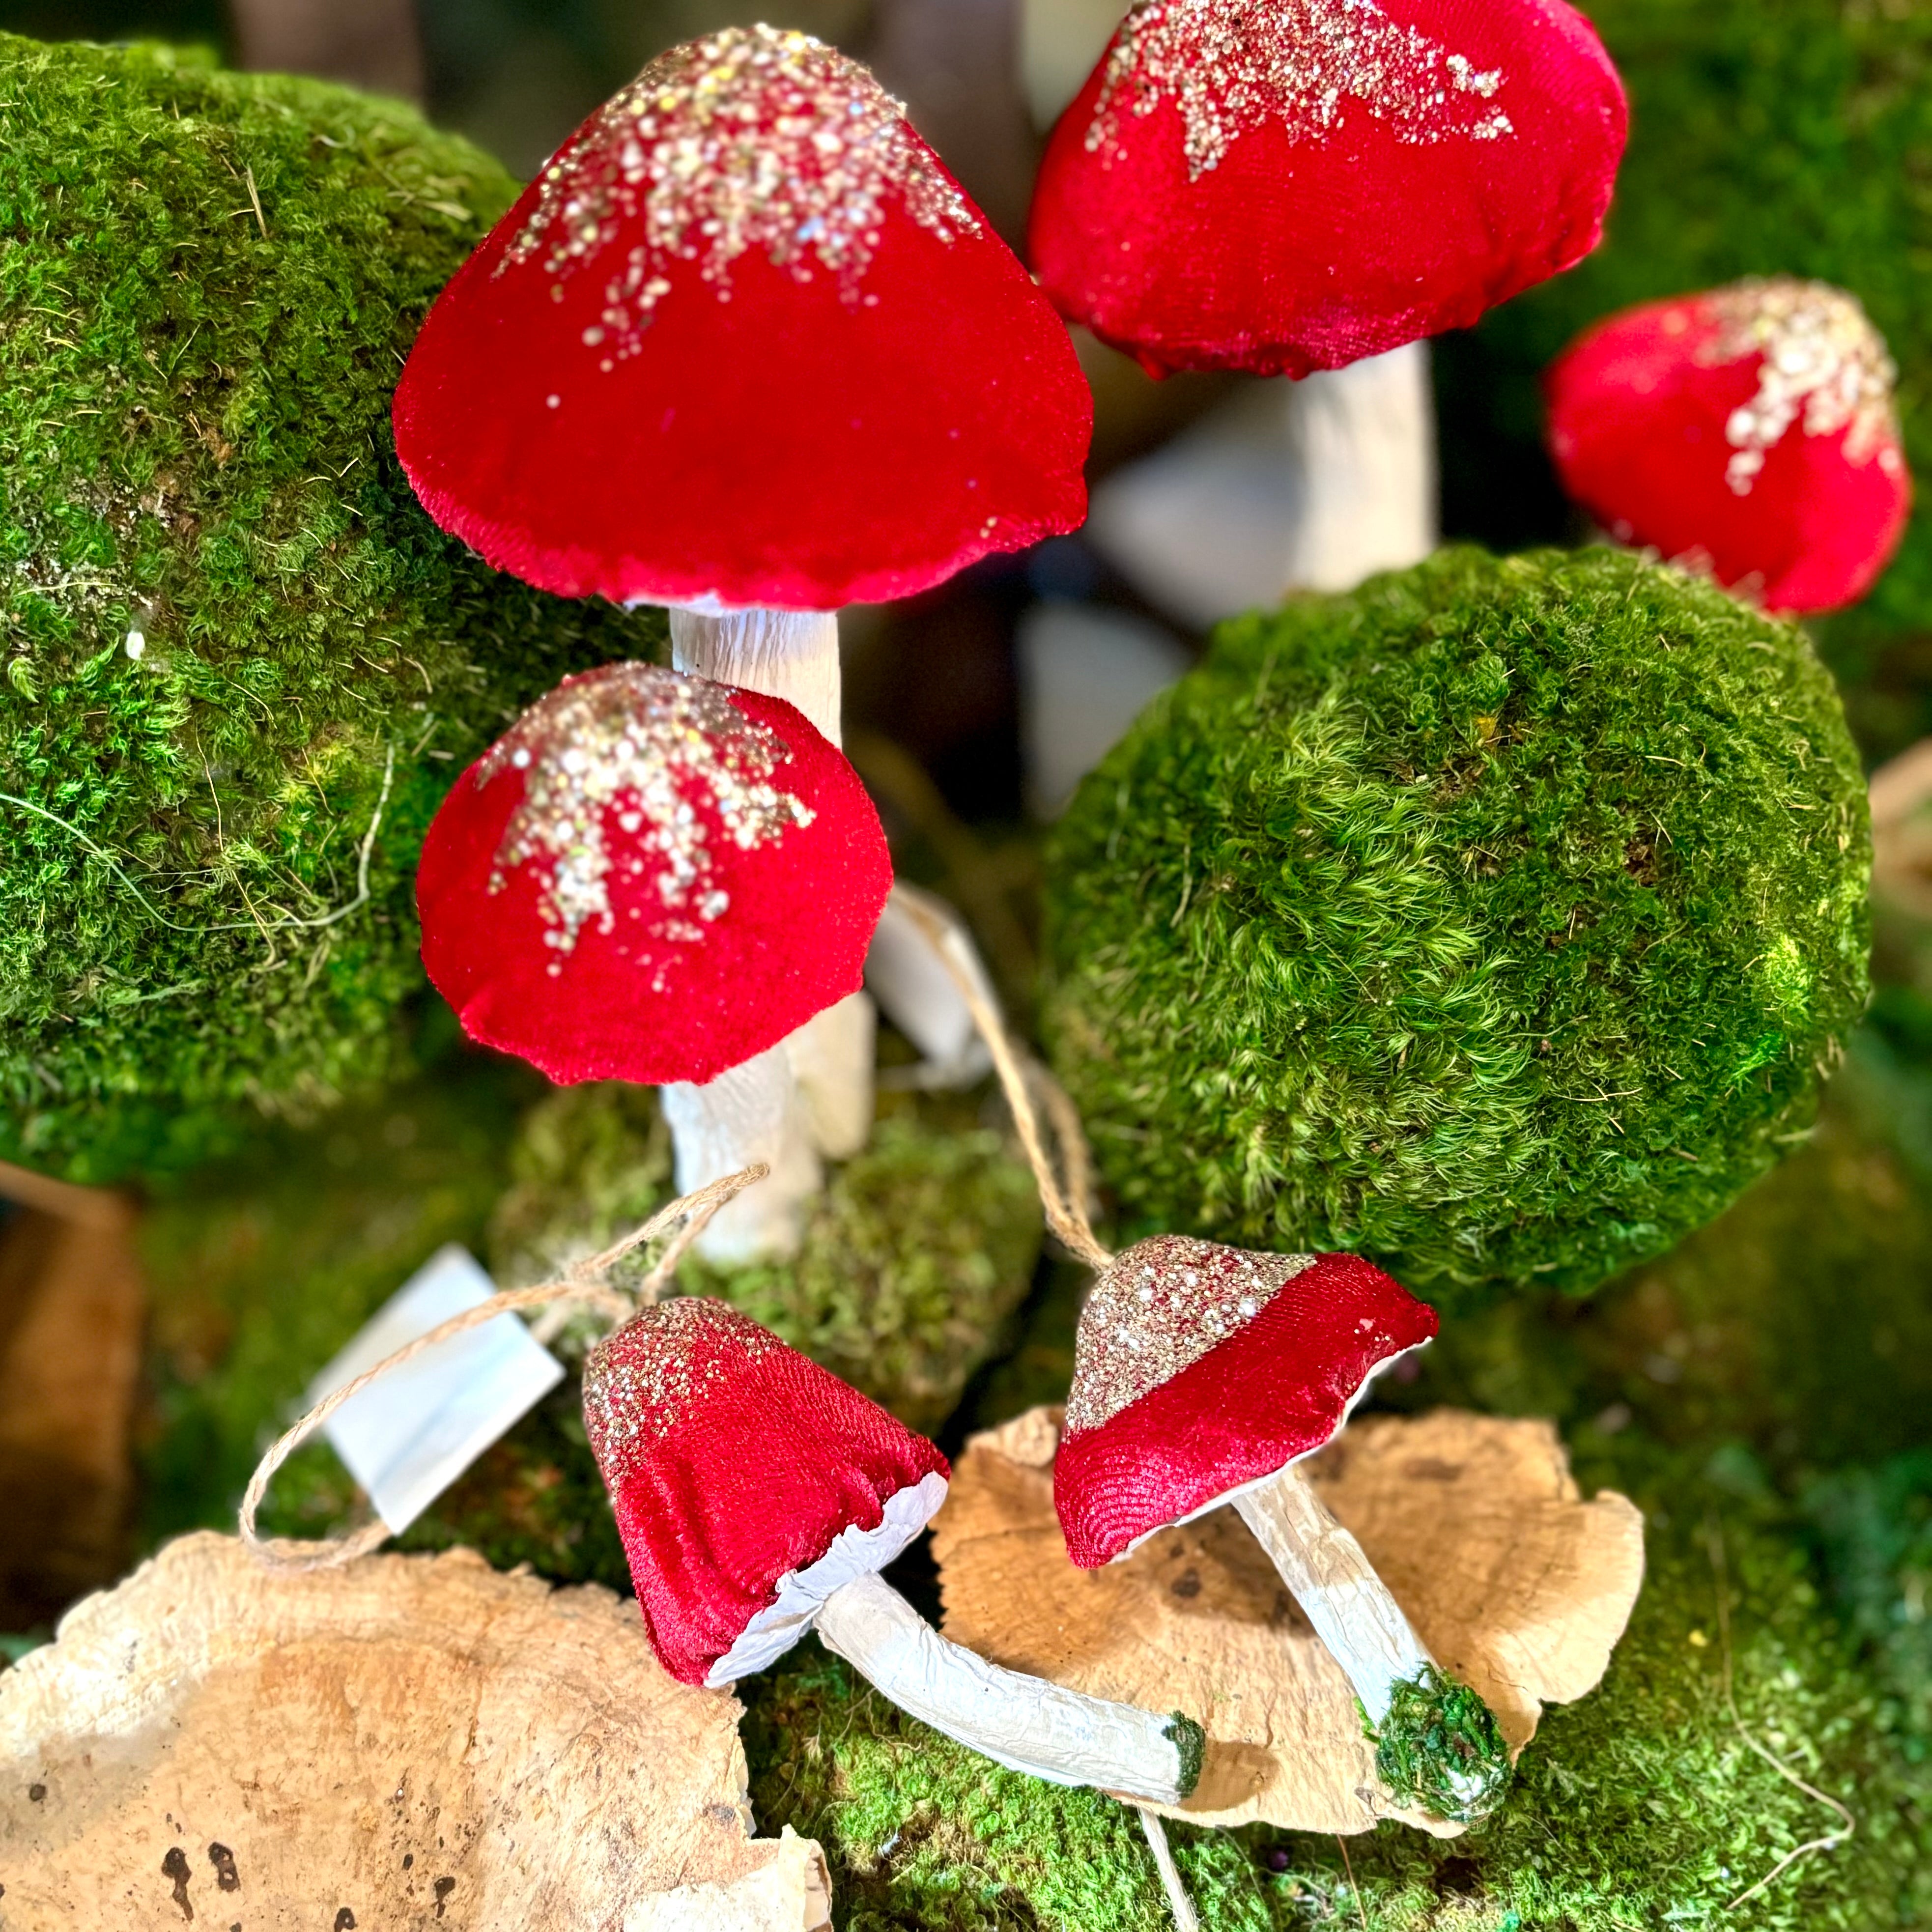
point(1497, 919)
point(208, 282)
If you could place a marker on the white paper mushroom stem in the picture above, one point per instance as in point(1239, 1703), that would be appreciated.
point(1360, 1624)
point(811, 1096)
point(1024, 1723)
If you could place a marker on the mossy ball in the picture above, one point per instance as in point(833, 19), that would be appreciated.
point(1498, 920)
point(241, 666)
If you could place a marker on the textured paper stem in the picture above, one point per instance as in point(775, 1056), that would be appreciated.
point(812, 1093)
point(1186, 1918)
point(1362, 1626)
point(1024, 1722)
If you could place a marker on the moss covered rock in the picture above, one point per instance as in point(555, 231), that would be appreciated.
point(241, 665)
point(1498, 920)
point(914, 1260)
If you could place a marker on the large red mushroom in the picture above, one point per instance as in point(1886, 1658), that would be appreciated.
point(745, 348)
point(758, 1497)
point(1286, 185)
point(1748, 430)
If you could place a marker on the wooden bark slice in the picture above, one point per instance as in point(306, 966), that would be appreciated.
point(1516, 1584)
point(409, 1741)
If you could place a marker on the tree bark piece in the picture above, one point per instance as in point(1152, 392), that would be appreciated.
point(1516, 1584)
point(409, 1740)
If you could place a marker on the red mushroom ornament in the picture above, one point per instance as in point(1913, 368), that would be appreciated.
point(1202, 1376)
point(1286, 185)
point(652, 877)
point(745, 348)
point(1749, 430)
point(758, 1497)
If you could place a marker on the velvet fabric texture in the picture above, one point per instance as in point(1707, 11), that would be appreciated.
point(781, 427)
point(1212, 204)
point(731, 1460)
point(649, 990)
point(1278, 1387)
point(1650, 414)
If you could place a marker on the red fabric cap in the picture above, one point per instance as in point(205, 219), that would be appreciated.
point(650, 877)
point(1294, 184)
point(845, 390)
point(1198, 1369)
point(1748, 431)
point(731, 1460)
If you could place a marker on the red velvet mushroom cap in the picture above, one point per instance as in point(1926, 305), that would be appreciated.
point(1748, 430)
point(1284, 185)
point(745, 339)
point(1199, 1369)
point(650, 876)
point(736, 1468)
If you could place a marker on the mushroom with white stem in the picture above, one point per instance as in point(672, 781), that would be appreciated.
point(653, 877)
point(746, 349)
point(1202, 1375)
point(758, 1497)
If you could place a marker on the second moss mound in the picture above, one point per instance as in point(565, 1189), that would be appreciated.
point(1498, 920)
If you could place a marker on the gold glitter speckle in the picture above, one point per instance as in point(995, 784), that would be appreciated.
point(750, 138)
point(646, 1379)
point(1820, 355)
point(644, 747)
point(1158, 1308)
point(1232, 65)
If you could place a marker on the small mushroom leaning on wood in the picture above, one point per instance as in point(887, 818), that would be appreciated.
point(653, 877)
point(745, 348)
point(758, 1497)
point(1203, 1375)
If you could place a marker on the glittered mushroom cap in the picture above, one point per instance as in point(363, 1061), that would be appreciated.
point(1199, 1369)
point(1284, 185)
point(1749, 430)
point(745, 339)
point(748, 1483)
point(650, 876)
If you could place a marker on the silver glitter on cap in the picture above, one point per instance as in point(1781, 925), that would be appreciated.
point(750, 138)
point(634, 751)
point(1158, 1308)
point(1821, 358)
point(654, 1374)
point(1233, 65)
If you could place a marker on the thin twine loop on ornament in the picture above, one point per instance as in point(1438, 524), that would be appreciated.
point(1065, 1205)
point(582, 1281)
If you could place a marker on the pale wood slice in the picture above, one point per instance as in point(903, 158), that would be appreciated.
point(1515, 1582)
point(408, 1741)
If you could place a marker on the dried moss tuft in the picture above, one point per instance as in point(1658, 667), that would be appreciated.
point(1498, 920)
point(209, 281)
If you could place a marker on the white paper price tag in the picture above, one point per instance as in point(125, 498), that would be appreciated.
point(408, 1436)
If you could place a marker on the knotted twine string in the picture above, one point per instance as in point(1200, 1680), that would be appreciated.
point(1065, 1203)
point(582, 1281)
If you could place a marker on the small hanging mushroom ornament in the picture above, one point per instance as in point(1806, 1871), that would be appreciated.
point(1748, 430)
point(1286, 185)
point(651, 877)
point(1205, 1375)
point(745, 348)
point(758, 1497)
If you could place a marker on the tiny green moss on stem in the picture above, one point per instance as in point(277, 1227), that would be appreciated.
point(1190, 1741)
point(1438, 1749)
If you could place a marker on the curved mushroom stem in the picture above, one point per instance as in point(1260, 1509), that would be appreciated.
point(811, 1095)
point(1437, 1742)
point(1024, 1722)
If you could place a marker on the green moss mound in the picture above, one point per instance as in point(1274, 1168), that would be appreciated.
point(1498, 920)
point(1804, 125)
point(209, 281)
point(915, 1258)
point(1439, 1748)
